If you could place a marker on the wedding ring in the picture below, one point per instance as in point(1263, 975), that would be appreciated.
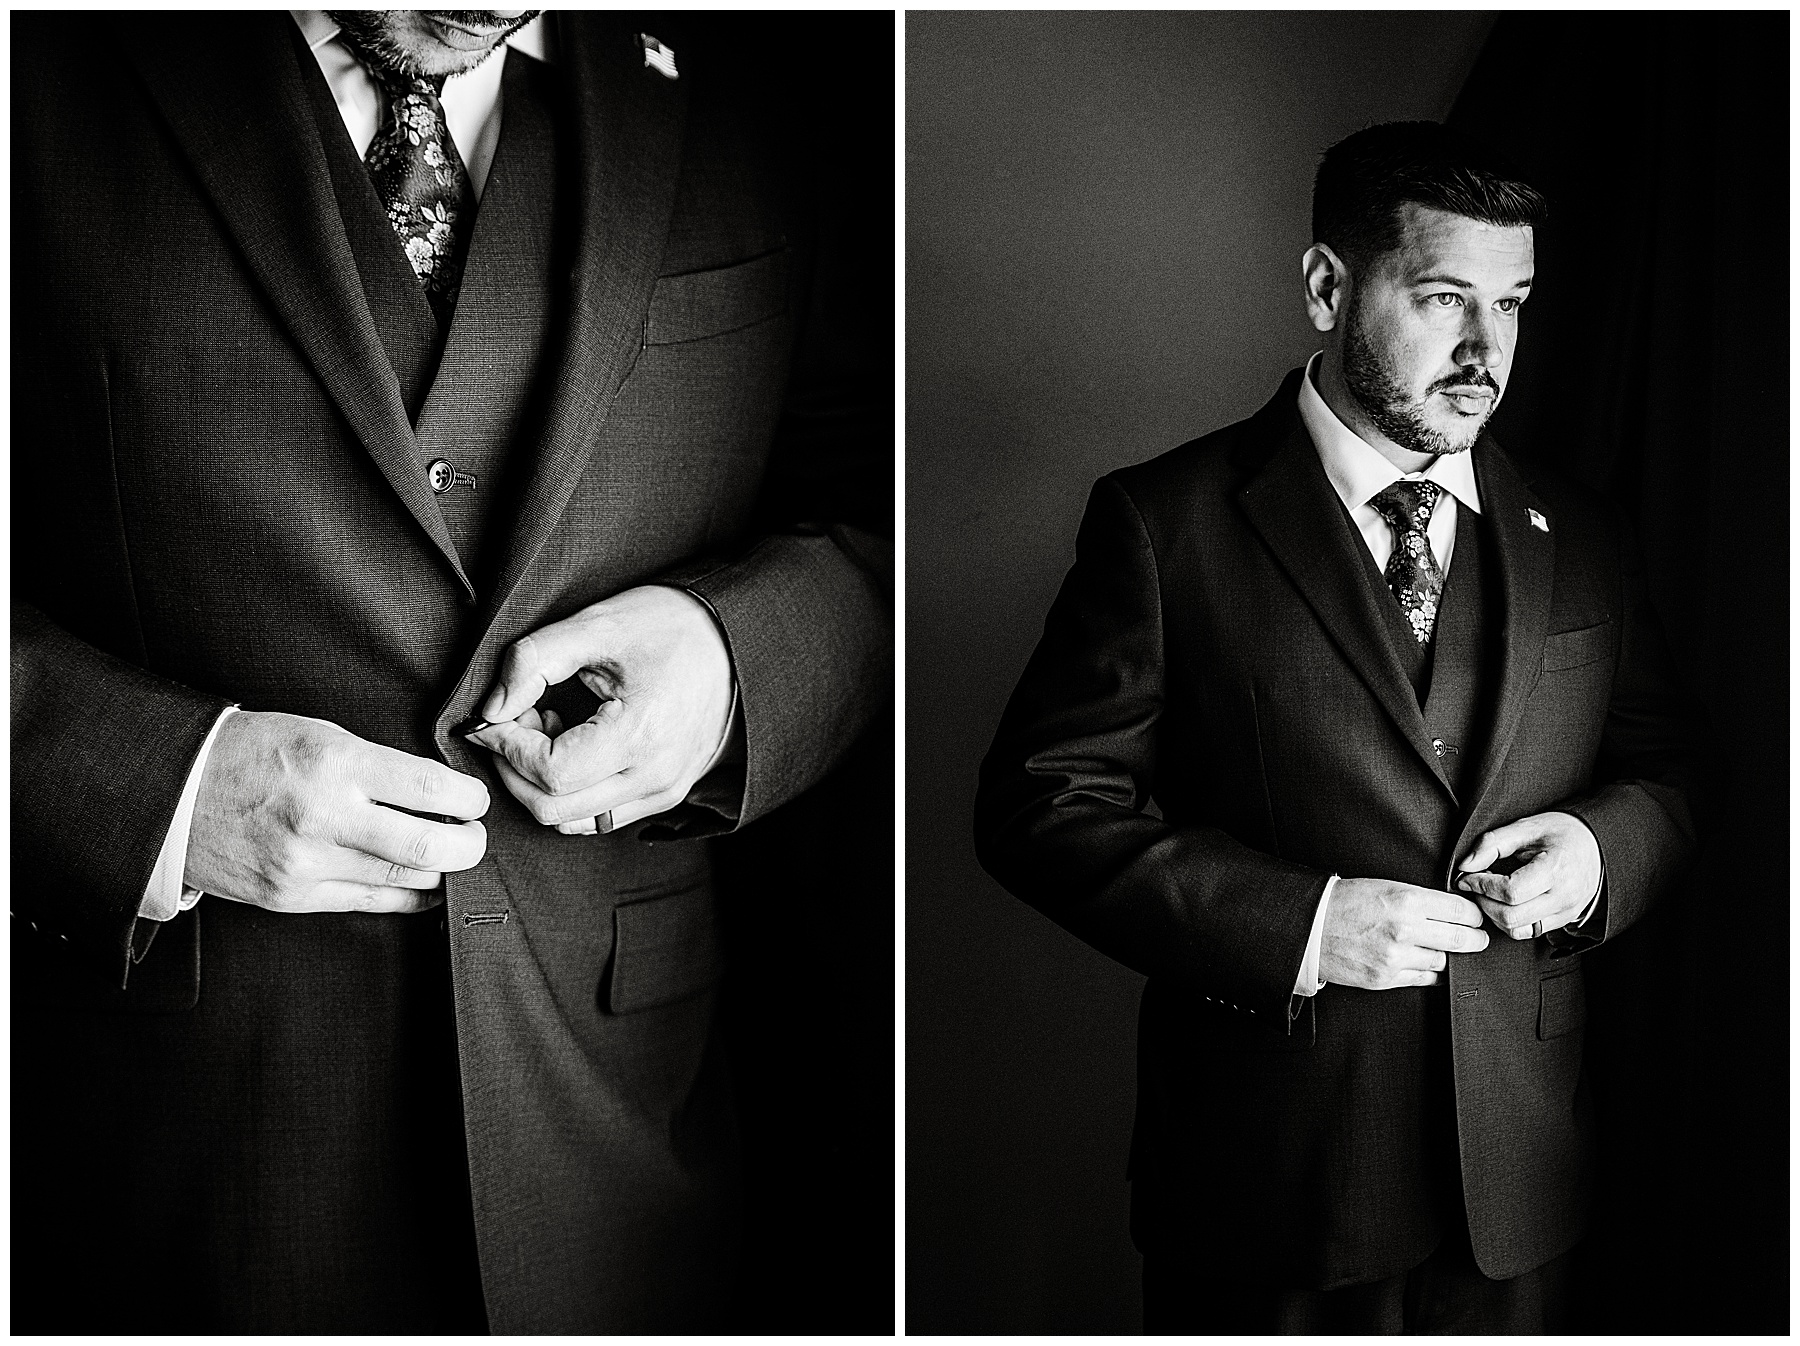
point(603, 821)
point(1537, 929)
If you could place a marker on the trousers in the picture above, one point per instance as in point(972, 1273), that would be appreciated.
point(1446, 1294)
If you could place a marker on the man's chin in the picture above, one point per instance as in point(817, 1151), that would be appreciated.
point(1457, 436)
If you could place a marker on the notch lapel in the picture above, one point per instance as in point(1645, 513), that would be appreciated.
point(1527, 559)
point(1292, 505)
point(626, 137)
point(230, 90)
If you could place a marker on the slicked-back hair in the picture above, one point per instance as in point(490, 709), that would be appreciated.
point(1366, 178)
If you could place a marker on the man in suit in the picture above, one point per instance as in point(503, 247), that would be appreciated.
point(1401, 707)
point(377, 373)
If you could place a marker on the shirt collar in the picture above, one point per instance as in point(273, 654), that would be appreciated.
point(1357, 470)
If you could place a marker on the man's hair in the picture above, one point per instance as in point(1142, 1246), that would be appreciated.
point(1365, 178)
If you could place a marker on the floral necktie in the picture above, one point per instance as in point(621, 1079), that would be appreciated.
point(423, 184)
point(1412, 571)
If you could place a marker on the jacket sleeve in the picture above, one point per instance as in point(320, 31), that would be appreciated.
point(100, 752)
point(807, 606)
point(1641, 811)
point(1060, 815)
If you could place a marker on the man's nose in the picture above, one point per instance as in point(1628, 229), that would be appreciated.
point(1480, 344)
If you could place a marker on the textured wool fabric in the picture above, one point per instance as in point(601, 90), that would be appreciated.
point(511, 1111)
point(1223, 644)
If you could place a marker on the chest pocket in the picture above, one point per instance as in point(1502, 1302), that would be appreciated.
point(702, 304)
point(1572, 649)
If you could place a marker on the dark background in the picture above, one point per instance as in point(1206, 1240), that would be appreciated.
point(808, 893)
point(1105, 216)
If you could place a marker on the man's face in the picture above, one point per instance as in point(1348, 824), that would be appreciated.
point(1429, 331)
point(432, 41)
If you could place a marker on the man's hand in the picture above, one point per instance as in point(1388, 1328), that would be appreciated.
point(1553, 871)
point(292, 815)
point(1380, 934)
point(657, 662)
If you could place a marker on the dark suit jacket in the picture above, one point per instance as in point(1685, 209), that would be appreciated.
point(221, 497)
point(1216, 648)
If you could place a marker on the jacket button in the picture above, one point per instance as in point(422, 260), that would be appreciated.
point(443, 476)
point(1437, 746)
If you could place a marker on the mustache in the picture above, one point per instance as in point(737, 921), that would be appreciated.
point(1472, 377)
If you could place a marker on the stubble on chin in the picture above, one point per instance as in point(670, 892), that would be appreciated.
point(373, 31)
point(1388, 405)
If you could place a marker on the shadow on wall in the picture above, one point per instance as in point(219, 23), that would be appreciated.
point(1105, 216)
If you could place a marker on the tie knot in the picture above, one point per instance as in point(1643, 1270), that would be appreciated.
point(1407, 504)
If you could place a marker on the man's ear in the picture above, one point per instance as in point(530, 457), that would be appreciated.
point(1326, 280)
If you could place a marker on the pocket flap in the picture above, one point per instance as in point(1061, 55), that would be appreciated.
point(1562, 1005)
point(1571, 649)
point(711, 303)
point(664, 949)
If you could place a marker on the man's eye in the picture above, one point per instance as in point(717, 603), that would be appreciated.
point(1509, 305)
point(1446, 300)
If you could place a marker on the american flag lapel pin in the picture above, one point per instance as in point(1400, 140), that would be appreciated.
point(658, 57)
point(1538, 521)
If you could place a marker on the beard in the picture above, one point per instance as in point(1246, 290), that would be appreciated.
point(1376, 386)
point(372, 33)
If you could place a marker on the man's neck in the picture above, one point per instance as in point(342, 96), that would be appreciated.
point(1346, 408)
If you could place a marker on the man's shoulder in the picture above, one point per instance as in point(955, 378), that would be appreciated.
point(1570, 507)
point(1214, 466)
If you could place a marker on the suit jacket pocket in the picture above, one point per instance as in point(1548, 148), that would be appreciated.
point(710, 303)
point(1562, 1005)
point(1572, 649)
point(665, 949)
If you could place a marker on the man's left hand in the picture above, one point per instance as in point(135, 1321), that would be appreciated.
point(656, 660)
point(1554, 874)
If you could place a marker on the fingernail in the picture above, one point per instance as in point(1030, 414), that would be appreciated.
point(491, 707)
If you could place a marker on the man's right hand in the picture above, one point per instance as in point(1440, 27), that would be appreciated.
point(1380, 934)
point(291, 817)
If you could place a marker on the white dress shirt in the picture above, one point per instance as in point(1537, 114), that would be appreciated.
point(472, 111)
point(1358, 473)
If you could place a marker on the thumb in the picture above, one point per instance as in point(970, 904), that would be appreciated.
point(531, 664)
point(1495, 845)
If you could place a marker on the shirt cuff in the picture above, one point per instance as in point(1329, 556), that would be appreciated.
point(167, 896)
point(1309, 982)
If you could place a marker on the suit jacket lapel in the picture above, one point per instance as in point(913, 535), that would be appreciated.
point(1292, 504)
point(1527, 562)
point(626, 138)
point(230, 88)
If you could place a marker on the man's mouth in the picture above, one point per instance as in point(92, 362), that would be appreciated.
point(1470, 400)
point(463, 35)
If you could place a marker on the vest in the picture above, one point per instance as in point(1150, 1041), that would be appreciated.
point(476, 393)
point(1453, 678)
